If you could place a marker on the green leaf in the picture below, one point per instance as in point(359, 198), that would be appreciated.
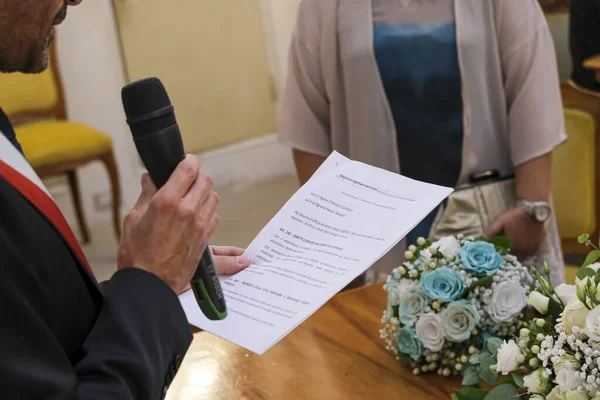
point(501, 242)
point(518, 380)
point(481, 239)
point(475, 386)
point(583, 272)
point(395, 311)
point(486, 374)
point(471, 394)
point(474, 359)
point(554, 309)
point(453, 396)
point(483, 282)
point(591, 258)
point(583, 238)
point(493, 345)
point(471, 376)
point(503, 392)
point(507, 380)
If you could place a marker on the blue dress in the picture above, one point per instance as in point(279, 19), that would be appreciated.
point(420, 72)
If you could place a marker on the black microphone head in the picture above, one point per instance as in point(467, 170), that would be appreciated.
point(147, 106)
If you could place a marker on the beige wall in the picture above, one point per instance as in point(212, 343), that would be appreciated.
point(211, 56)
point(92, 72)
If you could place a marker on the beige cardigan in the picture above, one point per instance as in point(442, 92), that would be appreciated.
point(335, 99)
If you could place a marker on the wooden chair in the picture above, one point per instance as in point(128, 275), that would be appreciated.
point(575, 177)
point(575, 181)
point(54, 146)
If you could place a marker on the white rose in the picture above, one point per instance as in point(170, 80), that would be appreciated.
point(567, 377)
point(448, 246)
point(592, 324)
point(556, 394)
point(507, 357)
point(577, 395)
point(594, 266)
point(574, 314)
point(566, 293)
point(535, 382)
point(508, 300)
point(539, 302)
point(429, 331)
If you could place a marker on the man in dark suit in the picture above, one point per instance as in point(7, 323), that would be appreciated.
point(584, 42)
point(62, 335)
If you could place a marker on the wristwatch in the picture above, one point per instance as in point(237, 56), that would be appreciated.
point(539, 210)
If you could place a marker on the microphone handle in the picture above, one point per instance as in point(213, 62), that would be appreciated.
point(161, 152)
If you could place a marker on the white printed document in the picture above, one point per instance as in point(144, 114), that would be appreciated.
point(332, 230)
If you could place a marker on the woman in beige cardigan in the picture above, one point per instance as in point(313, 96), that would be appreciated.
point(438, 90)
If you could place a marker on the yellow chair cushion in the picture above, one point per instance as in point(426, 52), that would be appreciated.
point(52, 142)
point(574, 176)
point(570, 274)
point(28, 92)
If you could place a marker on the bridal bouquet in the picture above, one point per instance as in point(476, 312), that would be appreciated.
point(449, 298)
point(556, 356)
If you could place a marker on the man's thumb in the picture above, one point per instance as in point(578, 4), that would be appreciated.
point(227, 265)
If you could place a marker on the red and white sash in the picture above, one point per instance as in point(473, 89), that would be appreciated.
point(15, 169)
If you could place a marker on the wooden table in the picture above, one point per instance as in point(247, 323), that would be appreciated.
point(593, 63)
point(335, 354)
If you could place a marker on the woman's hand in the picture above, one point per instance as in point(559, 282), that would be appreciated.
point(532, 184)
point(228, 260)
point(526, 233)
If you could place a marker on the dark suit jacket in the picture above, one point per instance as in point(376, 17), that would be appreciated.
point(60, 337)
point(584, 40)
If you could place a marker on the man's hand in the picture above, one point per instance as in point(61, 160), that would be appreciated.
point(167, 230)
point(526, 233)
point(228, 261)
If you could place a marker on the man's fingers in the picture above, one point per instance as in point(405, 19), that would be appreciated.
point(227, 251)
point(209, 208)
point(181, 179)
point(148, 189)
point(198, 194)
point(231, 265)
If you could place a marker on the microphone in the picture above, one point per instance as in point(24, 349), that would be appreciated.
point(151, 118)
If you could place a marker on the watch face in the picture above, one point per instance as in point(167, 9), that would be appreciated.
point(542, 213)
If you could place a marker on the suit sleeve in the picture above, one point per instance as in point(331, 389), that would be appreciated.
point(132, 352)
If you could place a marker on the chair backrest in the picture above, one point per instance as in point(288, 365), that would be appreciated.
point(26, 93)
point(559, 27)
point(30, 97)
point(574, 177)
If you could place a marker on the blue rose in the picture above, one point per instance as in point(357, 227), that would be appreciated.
point(458, 321)
point(408, 343)
point(412, 304)
point(443, 284)
point(481, 258)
